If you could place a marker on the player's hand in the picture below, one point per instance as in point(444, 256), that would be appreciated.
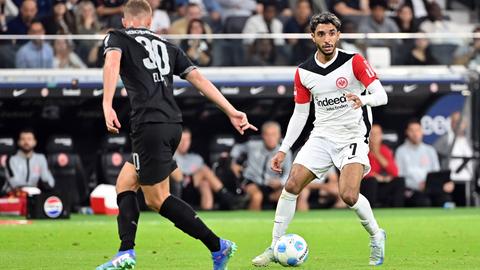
point(357, 103)
point(111, 121)
point(240, 122)
point(277, 160)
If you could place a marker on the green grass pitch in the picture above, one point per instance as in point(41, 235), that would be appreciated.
point(416, 239)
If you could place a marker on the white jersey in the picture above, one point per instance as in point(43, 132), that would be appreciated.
point(327, 84)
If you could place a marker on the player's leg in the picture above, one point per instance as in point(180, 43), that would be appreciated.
point(349, 188)
point(182, 215)
point(302, 201)
point(299, 177)
point(127, 219)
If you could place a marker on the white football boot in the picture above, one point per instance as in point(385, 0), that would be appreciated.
point(265, 258)
point(377, 248)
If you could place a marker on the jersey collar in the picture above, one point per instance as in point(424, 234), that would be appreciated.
point(327, 63)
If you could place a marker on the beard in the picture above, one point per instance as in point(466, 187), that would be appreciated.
point(26, 148)
point(323, 51)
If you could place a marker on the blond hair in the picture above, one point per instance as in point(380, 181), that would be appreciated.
point(135, 8)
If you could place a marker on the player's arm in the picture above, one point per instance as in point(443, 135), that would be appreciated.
point(239, 119)
point(296, 124)
point(367, 76)
point(111, 70)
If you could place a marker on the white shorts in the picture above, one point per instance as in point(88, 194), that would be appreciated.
point(320, 154)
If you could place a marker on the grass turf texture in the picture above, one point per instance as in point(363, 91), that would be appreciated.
point(416, 239)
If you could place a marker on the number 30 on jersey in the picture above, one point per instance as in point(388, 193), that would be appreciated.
point(157, 57)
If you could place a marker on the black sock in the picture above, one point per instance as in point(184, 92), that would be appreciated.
point(184, 218)
point(127, 219)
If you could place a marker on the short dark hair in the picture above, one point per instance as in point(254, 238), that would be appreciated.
point(26, 130)
point(324, 18)
point(412, 121)
point(378, 3)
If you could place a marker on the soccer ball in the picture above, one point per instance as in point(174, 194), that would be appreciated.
point(291, 250)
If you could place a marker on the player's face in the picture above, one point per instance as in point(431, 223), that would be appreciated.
point(325, 38)
point(27, 142)
point(415, 133)
point(271, 137)
point(185, 143)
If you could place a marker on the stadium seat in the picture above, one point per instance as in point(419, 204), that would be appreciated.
point(112, 158)
point(67, 170)
point(7, 148)
point(232, 50)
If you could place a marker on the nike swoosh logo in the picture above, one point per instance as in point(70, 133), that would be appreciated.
point(256, 90)
point(409, 88)
point(351, 157)
point(97, 92)
point(20, 92)
point(179, 91)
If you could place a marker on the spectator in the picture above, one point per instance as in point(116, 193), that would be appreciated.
point(64, 56)
point(264, 23)
point(35, 53)
point(61, 21)
point(21, 24)
point(198, 50)
point(6, 47)
point(421, 54)
point(381, 185)
point(27, 168)
point(260, 182)
point(350, 44)
point(110, 12)
point(405, 21)
point(353, 10)
point(237, 8)
point(180, 26)
point(210, 10)
point(198, 176)
point(469, 55)
point(261, 53)
point(415, 160)
point(462, 148)
point(437, 23)
point(299, 23)
point(160, 19)
point(327, 190)
point(377, 22)
point(87, 24)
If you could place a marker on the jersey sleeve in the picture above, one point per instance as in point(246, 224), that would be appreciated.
point(363, 71)
point(301, 93)
point(112, 42)
point(183, 64)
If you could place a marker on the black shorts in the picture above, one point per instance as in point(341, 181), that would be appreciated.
point(266, 190)
point(153, 146)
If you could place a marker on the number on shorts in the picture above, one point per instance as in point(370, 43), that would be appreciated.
point(354, 146)
point(136, 161)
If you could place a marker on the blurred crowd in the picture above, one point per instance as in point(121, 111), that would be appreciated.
point(86, 17)
point(237, 175)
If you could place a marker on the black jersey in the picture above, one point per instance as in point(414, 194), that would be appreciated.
point(147, 67)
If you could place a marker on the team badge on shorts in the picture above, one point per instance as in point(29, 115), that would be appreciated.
point(342, 82)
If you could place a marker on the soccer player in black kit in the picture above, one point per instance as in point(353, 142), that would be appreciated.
point(146, 64)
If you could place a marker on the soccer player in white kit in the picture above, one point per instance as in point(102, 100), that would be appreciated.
point(342, 87)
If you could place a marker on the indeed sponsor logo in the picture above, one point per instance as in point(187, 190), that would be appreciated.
point(330, 102)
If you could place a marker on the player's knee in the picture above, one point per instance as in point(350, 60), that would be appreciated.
point(349, 197)
point(154, 203)
point(293, 187)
